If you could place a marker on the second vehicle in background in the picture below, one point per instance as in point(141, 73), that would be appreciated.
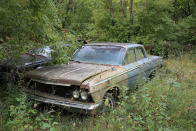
point(10, 68)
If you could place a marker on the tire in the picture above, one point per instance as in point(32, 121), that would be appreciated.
point(108, 103)
point(152, 75)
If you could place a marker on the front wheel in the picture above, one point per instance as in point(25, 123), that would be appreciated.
point(108, 103)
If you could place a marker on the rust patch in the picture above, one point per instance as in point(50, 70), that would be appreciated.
point(74, 73)
point(99, 84)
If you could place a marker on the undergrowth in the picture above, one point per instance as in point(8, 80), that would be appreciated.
point(168, 102)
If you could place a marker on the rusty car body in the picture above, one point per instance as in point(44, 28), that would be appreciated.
point(96, 72)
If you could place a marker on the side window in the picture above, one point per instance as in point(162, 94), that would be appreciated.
point(139, 53)
point(130, 57)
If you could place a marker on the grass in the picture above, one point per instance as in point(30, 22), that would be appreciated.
point(168, 102)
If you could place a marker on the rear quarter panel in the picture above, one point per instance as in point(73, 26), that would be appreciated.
point(155, 62)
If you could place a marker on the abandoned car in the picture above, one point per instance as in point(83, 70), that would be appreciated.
point(31, 60)
point(93, 78)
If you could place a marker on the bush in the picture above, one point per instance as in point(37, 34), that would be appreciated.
point(18, 113)
point(168, 102)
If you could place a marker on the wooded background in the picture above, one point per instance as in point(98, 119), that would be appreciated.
point(158, 24)
point(164, 27)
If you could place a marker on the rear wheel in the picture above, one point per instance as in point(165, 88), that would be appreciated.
point(108, 103)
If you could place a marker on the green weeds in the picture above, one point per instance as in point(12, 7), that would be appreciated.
point(168, 102)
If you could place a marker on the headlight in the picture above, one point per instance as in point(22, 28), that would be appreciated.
point(84, 95)
point(76, 94)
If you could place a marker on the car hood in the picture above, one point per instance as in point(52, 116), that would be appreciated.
point(24, 60)
point(73, 73)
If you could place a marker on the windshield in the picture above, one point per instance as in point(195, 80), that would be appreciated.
point(46, 51)
point(111, 55)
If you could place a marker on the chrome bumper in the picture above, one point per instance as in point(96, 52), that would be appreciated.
point(83, 106)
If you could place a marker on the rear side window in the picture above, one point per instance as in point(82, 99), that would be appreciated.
point(130, 57)
point(139, 53)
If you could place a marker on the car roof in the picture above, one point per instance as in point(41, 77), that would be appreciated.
point(124, 45)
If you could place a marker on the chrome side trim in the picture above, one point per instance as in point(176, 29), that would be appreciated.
point(115, 76)
point(83, 106)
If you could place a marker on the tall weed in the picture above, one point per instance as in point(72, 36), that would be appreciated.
point(167, 102)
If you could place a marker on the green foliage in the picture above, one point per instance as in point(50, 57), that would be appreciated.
point(165, 26)
point(192, 29)
point(28, 23)
point(166, 103)
point(155, 24)
point(18, 112)
point(25, 24)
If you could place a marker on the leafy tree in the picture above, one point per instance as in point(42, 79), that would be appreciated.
point(155, 23)
point(28, 23)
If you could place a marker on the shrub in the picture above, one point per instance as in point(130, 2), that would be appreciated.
point(18, 113)
point(168, 102)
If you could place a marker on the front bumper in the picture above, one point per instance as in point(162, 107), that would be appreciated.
point(69, 105)
point(84, 106)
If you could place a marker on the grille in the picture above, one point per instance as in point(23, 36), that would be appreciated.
point(63, 91)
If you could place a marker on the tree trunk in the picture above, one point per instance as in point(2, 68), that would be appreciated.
point(111, 10)
point(131, 11)
point(70, 6)
point(123, 4)
point(189, 8)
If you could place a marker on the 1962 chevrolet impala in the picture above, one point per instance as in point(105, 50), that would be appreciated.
point(94, 77)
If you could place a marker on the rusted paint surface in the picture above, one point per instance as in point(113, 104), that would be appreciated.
point(74, 73)
point(96, 78)
point(99, 84)
point(96, 81)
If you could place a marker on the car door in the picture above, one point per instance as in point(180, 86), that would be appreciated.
point(143, 62)
point(132, 67)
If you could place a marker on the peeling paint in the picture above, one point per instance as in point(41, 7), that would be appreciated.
point(96, 78)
